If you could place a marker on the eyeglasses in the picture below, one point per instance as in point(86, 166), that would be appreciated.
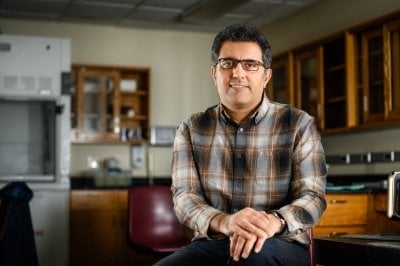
point(247, 64)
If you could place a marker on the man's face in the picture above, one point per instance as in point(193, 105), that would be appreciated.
point(240, 89)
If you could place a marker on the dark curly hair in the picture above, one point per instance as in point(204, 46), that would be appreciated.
point(242, 32)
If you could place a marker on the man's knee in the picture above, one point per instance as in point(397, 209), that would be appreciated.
point(277, 252)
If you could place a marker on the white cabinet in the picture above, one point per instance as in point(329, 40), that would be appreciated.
point(50, 216)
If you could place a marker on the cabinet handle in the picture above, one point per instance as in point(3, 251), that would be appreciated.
point(365, 104)
point(337, 233)
point(93, 195)
point(337, 201)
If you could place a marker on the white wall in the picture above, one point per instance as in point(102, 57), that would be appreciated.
point(383, 140)
point(180, 80)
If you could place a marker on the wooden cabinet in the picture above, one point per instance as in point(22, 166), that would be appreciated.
point(110, 103)
point(379, 63)
point(347, 80)
point(345, 214)
point(325, 82)
point(356, 213)
point(98, 228)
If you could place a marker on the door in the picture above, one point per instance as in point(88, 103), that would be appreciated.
point(373, 77)
point(308, 71)
point(281, 87)
point(392, 68)
point(97, 104)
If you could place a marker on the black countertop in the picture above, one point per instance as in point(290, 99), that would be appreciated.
point(93, 183)
point(372, 183)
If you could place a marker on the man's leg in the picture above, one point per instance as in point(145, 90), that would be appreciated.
point(199, 253)
point(277, 252)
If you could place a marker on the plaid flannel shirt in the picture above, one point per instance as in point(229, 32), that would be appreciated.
point(274, 162)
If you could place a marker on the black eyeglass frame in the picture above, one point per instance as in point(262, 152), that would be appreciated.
point(237, 61)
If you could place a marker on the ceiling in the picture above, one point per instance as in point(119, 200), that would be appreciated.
point(193, 15)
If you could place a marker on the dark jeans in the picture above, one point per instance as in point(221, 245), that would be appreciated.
point(214, 253)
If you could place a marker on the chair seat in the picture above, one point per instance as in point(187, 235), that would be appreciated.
point(170, 248)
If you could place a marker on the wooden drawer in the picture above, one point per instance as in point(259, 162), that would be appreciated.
point(93, 200)
point(345, 214)
point(345, 209)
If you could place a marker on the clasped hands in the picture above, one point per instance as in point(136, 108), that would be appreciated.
point(247, 229)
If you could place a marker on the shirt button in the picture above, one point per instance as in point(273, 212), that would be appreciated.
point(241, 129)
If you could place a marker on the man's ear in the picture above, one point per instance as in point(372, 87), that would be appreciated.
point(212, 72)
point(267, 76)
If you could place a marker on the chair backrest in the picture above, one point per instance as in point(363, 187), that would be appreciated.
point(152, 222)
point(311, 248)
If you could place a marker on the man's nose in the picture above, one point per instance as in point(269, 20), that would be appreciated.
point(238, 70)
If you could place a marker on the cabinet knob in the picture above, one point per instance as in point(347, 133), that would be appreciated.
point(337, 233)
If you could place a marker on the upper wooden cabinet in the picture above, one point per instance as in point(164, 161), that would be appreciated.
point(346, 81)
point(319, 79)
point(379, 58)
point(110, 104)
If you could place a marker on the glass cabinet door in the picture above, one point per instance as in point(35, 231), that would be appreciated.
point(335, 89)
point(280, 88)
point(309, 83)
point(339, 84)
point(392, 68)
point(97, 112)
point(373, 77)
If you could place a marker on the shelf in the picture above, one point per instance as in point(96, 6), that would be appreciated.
point(116, 141)
point(335, 68)
point(134, 118)
point(135, 93)
point(336, 99)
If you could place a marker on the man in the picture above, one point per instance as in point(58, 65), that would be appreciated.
point(248, 174)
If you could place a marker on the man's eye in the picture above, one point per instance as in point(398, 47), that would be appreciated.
point(250, 64)
point(227, 63)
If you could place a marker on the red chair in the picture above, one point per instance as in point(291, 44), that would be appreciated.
point(153, 225)
point(311, 250)
point(152, 222)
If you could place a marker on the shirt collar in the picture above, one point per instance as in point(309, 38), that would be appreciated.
point(255, 118)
